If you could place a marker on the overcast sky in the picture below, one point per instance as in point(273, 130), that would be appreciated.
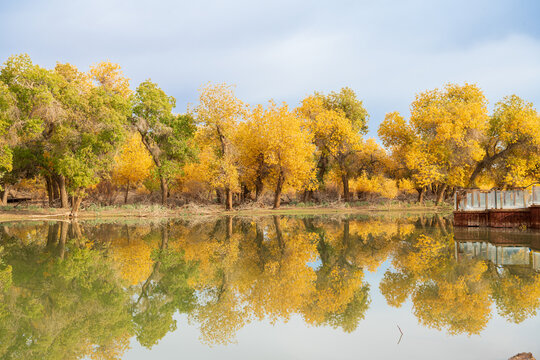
point(386, 51)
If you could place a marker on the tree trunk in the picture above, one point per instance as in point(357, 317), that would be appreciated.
point(421, 193)
point(228, 199)
point(50, 196)
point(127, 193)
point(279, 233)
point(75, 205)
point(322, 166)
point(77, 233)
point(258, 188)
point(63, 237)
point(346, 193)
point(55, 188)
point(245, 193)
point(164, 236)
point(52, 234)
point(487, 161)
point(63, 192)
point(229, 227)
point(279, 188)
point(4, 197)
point(440, 194)
point(164, 191)
point(219, 197)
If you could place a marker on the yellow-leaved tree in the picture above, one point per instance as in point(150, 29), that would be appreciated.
point(276, 140)
point(442, 142)
point(218, 114)
point(511, 145)
point(335, 136)
point(132, 164)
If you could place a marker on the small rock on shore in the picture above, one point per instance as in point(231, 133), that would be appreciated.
point(523, 356)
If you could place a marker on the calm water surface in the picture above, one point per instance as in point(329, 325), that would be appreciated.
point(268, 288)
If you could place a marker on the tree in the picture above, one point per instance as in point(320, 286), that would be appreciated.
point(132, 165)
point(7, 138)
point(164, 134)
point(287, 149)
point(218, 114)
point(252, 144)
point(346, 101)
point(336, 137)
point(95, 115)
point(28, 110)
point(512, 143)
point(441, 143)
point(71, 123)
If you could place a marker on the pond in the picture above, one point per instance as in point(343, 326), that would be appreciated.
point(276, 287)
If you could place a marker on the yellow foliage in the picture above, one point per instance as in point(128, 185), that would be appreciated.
point(133, 163)
point(276, 137)
point(377, 184)
point(333, 133)
point(406, 186)
point(111, 76)
point(133, 258)
point(443, 141)
point(197, 176)
point(517, 298)
point(218, 114)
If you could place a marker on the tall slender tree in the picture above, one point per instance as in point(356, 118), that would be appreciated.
point(218, 114)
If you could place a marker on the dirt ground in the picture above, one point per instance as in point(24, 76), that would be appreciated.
point(34, 213)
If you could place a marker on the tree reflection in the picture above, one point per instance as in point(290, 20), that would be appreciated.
point(516, 293)
point(166, 291)
point(446, 294)
point(65, 301)
point(70, 290)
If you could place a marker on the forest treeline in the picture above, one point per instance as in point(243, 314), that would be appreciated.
point(80, 135)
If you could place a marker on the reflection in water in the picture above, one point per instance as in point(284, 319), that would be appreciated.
point(70, 290)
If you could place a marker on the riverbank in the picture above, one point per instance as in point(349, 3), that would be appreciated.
point(12, 213)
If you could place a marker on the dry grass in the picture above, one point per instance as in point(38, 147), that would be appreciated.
point(9, 213)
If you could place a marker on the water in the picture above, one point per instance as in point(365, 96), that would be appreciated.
point(323, 287)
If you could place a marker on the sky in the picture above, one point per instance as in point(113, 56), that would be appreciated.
point(386, 51)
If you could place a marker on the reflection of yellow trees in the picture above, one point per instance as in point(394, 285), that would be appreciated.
point(429, 254)
point(460, 303)
point(336, 288)
point(221, 317)
point(268, 270)
point(133, 258)
point(517, 297)
point(285, 281)
point(445, 294)
point(396, 287)
point(256, 271)
point(225, 273)
point(340, 297)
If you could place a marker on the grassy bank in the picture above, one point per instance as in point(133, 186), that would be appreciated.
point(10, 213)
